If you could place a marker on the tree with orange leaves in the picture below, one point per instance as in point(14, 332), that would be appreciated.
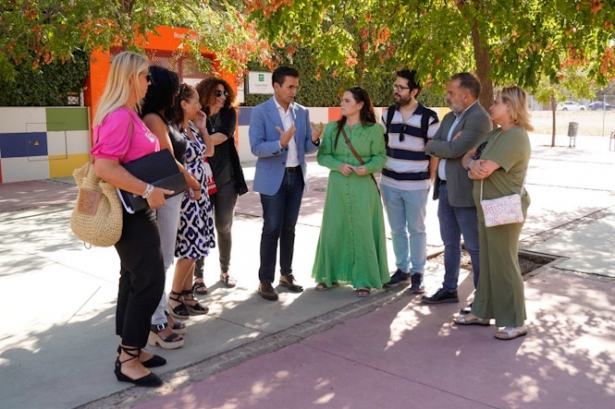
point(34, 33)
point(502, 41)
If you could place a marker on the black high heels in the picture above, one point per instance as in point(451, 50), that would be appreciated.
point(196, 308)
point(149, 380)
point(180, 311)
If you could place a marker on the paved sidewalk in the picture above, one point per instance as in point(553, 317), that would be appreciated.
point(326, 349)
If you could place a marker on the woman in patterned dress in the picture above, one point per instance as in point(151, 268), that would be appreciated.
point(195, 235)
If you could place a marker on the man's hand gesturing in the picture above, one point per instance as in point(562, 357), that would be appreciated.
point(286, 135)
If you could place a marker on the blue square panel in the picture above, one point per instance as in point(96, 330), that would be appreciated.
point(245, 115)
point(23, 145)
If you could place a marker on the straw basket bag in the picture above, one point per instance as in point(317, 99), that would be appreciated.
point(97, 216)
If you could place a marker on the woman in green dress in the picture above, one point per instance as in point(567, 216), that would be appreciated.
point(352, 244)
point(499, 165)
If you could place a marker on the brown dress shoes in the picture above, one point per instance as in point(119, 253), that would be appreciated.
point(267, 291)
point(288, 281)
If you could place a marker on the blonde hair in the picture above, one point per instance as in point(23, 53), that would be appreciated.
point(123, 81)
point(516, 99)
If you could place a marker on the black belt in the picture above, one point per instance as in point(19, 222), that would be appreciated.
point(442, 182)
point(294, 169)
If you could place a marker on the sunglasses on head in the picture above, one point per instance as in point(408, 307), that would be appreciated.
point(220, 93)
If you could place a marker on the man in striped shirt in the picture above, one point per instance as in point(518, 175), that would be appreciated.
point(407, 177)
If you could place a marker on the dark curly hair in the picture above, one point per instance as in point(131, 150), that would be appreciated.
point(207, 92)
point(184, 93)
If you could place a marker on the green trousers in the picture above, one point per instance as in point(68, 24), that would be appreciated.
point(500, 292)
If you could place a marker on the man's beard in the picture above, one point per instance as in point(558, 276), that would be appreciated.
point(403, 101)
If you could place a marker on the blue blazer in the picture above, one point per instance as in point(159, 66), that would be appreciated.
point(265, 144)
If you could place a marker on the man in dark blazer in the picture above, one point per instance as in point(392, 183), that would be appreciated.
point(280, 136)
point(459, 132)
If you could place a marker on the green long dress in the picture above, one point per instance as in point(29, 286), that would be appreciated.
point(352, 243)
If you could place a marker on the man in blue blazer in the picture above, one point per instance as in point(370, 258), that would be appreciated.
point(280, 136)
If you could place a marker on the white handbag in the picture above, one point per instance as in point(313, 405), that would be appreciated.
point(503, 210)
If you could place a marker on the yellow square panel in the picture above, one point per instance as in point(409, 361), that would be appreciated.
point(62, 166)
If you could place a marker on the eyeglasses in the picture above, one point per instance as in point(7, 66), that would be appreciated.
point(399, 87)
point(220, 93)
point(479, 151)
point(148, 77)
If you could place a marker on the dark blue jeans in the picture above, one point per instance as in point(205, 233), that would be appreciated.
point(280, 214)
point(454, 222)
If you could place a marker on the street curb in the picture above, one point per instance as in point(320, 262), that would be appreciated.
point(196, 372)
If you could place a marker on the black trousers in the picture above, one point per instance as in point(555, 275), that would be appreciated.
point(223, 202)
point(141, 277)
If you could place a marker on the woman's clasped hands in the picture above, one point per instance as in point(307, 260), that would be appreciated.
point(477, 169)
point(346, 169)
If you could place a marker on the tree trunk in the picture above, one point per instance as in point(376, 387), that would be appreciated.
point(481, 50)
point(361, 65)
point(553, 111)
point(483, 67)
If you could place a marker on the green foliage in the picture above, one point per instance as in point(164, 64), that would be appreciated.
point(609, 91)
point(35, 33)
point(572, 82)
point(503, 41)
point(320, 89)
point(48, 86)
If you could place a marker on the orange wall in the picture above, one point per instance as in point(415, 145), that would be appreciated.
point(168, 39)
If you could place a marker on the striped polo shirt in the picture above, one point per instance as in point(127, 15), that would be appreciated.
point(407, 166)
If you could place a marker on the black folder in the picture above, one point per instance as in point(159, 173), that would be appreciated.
point(158, 169)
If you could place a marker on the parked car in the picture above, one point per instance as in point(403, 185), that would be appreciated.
point(599, 105)
point(570, 106)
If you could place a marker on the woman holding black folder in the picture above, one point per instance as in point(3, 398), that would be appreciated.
point(122, 137)
point(195, 235)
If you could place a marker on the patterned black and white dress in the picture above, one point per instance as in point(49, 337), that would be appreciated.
point(195, 235)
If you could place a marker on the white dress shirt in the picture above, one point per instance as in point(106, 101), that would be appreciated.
point(292, 159)
point(442, 163)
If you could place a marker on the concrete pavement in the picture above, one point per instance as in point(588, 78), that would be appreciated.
point(57, 342)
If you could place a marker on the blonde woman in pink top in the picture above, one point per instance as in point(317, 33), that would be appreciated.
point(121, 137)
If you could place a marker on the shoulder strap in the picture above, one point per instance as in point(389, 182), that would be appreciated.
point(359, 158)
point(425, 123)
point(354, 152)
point(390, 114)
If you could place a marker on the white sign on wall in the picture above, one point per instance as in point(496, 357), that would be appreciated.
point(259, 82)
point(240, 93)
